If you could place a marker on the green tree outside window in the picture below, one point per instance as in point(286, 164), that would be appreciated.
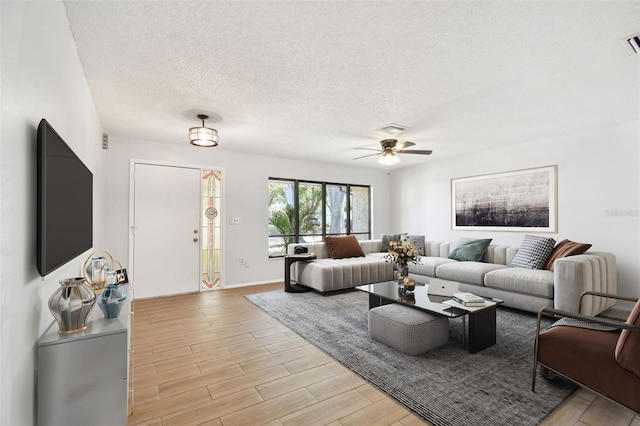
point(303, 217)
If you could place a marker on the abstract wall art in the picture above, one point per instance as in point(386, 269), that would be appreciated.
point(519, 200)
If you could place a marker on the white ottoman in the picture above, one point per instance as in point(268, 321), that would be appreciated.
point(406, 329)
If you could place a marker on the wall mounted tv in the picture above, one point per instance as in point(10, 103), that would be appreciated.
point(65, 202)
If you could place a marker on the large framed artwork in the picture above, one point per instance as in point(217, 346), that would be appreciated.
point(519, 200)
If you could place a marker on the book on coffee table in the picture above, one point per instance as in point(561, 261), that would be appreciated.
point(468, 299)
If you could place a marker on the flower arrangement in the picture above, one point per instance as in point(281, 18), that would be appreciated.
point(402, 252)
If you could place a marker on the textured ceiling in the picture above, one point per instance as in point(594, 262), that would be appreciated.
point(312, 80)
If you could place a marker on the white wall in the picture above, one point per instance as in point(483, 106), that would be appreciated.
point(245, 182)
point(598, 193)
point(41, 78)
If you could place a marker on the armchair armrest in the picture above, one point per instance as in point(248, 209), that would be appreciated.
point(557, 313)
point(606, 295)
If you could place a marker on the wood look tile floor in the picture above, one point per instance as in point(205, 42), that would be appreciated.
point(214, 358)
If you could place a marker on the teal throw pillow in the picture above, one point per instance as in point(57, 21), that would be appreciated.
point(469, 249)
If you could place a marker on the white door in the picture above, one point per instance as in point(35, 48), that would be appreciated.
point(166, 230)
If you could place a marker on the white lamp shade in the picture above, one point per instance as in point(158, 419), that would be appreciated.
point(388, 158)
point(203, 136)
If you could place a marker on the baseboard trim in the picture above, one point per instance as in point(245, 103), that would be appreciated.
point(250, 284)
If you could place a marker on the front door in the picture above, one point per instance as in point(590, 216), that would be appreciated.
point(166, 230)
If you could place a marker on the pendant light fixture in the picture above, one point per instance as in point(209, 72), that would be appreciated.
point(203, 136)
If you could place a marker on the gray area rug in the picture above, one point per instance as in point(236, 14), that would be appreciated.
point(446, 386)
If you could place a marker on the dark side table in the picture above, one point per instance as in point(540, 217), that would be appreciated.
point(290, 260)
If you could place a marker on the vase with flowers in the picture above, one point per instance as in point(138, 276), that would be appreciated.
point(402, 253)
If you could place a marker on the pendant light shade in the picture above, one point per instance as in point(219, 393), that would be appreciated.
point(203, 136)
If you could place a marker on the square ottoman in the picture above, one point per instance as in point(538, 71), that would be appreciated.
point(406, 329)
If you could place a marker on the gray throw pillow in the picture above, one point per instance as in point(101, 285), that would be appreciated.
point(470, 249)
point(534, 252)
point(387, 238)
point(417, 241)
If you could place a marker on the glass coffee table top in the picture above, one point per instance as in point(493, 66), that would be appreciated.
point(481, 332)
point(390, 290)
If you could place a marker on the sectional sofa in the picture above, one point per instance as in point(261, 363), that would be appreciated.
point(521, 288)
point(327, 274)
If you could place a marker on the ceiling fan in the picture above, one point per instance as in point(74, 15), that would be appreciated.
point(389, 150)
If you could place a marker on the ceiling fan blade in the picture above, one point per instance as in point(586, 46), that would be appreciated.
point(370, 149)
point(405, 144)
point(416, 151)
point(365, 156)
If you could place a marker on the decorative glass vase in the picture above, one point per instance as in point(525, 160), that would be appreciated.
point(95, 270)
point(111, 301)
point(403, 272)
point(71, 305)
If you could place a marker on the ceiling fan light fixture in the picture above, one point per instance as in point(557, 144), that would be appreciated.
point(388, 158)
point(203, 136)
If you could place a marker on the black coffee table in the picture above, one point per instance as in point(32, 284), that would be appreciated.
point(481, 332)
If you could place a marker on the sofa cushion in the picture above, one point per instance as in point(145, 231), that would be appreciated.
point(428, 265)
point(563, 249)
point(502, 255)
point(628, 346)
point(417, 241)
point(535, 282)
point(370, 246)
point(341, 247)
point(466, 272)
point(534, 252)
point(387, 238)
point(469, 249)
point(336, 274)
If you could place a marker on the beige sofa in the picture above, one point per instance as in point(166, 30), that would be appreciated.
point(520, 288)
point(327, 274)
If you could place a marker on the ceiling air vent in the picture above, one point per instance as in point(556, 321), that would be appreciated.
point(391, 129)
point(633, 43)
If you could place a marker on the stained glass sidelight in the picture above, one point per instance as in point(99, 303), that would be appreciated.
point(210, 232)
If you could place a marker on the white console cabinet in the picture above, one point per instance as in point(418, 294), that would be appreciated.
point(82, 377)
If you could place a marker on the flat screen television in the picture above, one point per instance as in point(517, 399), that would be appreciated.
point(65, 202)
